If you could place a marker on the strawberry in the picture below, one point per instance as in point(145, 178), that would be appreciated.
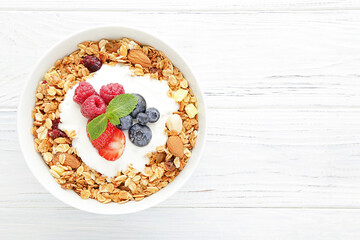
point(115, 148)
point(104, 138)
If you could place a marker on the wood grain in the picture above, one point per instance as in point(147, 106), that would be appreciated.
point(185, 5)
point(249, 60)
point(185, 223)
point(253, 158)
point(281, 80)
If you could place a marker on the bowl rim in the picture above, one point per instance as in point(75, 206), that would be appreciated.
point(29, 81)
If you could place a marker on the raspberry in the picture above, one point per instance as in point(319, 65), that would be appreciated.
point(92, 63)
point(93, 107)
point(82, 92)
point(111, 90)
point(104, 138)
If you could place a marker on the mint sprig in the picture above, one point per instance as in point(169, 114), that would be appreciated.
point(120, 106)
point(97, 126)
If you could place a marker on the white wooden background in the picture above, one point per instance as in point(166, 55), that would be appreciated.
point(282, 82)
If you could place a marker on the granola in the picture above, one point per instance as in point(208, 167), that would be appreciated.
point(56, 148)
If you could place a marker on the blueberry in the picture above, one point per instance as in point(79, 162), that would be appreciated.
point(153, 114)
point(125, 122)
point(140, 107)
point(140, 135)
point(142, 118)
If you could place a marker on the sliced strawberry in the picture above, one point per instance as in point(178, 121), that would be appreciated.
point(115, 148)
point(104, 138)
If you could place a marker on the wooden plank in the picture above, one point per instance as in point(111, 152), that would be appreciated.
point(242, 60)
point(184, 223)
point(186, 5)
point(253, 158)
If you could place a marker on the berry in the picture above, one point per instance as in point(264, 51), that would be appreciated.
point(142, 118)
point(115, 148)
point(140, 135)
point(111, 90)
point(92, 63)
point(104, 138)
point(153, 114)
point(125, 122)
point(55, 123)
point(55, 133)
point(93, 107)
point(140, 107)
point(83, 91)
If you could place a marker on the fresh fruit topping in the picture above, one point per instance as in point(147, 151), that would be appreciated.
point(140, 135)
point(140, 107)
point(93, 107)
point(96, 126)
point(125, 123)
point(153, 114)
point(174, 123)
point(115, 148)
point(191, 110)
point(180, 94)
point(104, 138)
point(83, 91)
point(111, 90)
point(142, 118)
point(55, 133)
point(92, 63)
point(175, 146)
point(121, 106)
point(138, 57)
point(66, 159)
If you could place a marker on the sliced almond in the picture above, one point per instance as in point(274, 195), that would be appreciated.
point(138, 57)
point(70, 160)
point(175, 146)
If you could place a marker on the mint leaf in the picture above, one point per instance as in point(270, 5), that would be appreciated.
point(97, 126)
point(120, 106)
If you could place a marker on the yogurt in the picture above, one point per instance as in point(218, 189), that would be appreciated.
point(155, 94)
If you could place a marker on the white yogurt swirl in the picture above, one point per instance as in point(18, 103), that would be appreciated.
point(155, 94)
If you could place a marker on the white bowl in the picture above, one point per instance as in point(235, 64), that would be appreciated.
point(27, 103)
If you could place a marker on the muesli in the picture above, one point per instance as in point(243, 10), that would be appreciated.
point(115, 121)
